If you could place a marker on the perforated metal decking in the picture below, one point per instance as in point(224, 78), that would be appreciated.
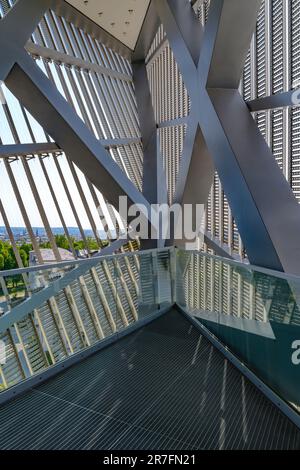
point(163, 387)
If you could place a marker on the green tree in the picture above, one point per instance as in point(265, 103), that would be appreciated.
point(24, 257)
point(45, 245)
point(62, 242)
point(1, 262)
point(92, 244)
point(10, 262)
point(27, 247)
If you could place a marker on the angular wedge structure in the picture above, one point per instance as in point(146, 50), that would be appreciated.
point(121, 122)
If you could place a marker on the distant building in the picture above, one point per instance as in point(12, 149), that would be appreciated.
point(38, 280)
point(48, 256)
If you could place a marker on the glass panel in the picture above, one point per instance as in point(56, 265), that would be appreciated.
point(16, 286)
point(164, 279)
point(88, 300)
point(148, 284)
point(254, 313)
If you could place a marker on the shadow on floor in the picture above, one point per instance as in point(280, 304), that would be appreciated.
point(164, 387)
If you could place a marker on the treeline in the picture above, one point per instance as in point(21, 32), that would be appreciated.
point(8, 259)
point(7, 255)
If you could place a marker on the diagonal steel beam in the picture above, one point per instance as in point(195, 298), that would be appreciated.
point(147, 33)
point(12, 36)
point(186, 156)
point(176, 40)
point(228, 36)
point(268, 221)
point(196, 169)
point(219, 248)
point(184, 15)
point(195, 178)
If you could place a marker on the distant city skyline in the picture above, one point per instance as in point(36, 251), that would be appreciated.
point(73, 231)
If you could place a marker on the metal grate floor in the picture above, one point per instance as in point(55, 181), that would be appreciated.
point(164, 387)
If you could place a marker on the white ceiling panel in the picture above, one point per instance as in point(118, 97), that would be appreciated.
point(121, 18)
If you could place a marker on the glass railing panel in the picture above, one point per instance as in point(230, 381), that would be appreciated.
point(253, 312)
point(164, 275)
point(148, 283)
point(18, 285)
point(68, 307)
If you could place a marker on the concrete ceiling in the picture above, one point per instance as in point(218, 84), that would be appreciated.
point(121, 18)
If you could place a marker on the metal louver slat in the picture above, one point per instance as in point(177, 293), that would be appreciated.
point(52, 332)
point(69, 321)
point(84, 311)
point(277, 137)
point(36, 355)
point(12, 370)
point(96, 300)
point(261, 52)
point(277, 45)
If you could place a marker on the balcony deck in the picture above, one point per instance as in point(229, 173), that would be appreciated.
point(163, 387)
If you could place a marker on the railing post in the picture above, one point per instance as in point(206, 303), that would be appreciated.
point(155, 279)
point(173, 273)
point(5, 292)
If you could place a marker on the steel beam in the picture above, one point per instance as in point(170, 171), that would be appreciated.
point(7, 151)
point(57, 56)
point(12, 36)
point(196, 169)
point(219, 248)
point(280, 100)
point(192, 35)
point(228, 35)
point(197, 173)
point(44, 148)
point(147, 34)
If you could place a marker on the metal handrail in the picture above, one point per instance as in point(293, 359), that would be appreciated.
point(89, 262)
point(30, 303)
point(246, 266)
